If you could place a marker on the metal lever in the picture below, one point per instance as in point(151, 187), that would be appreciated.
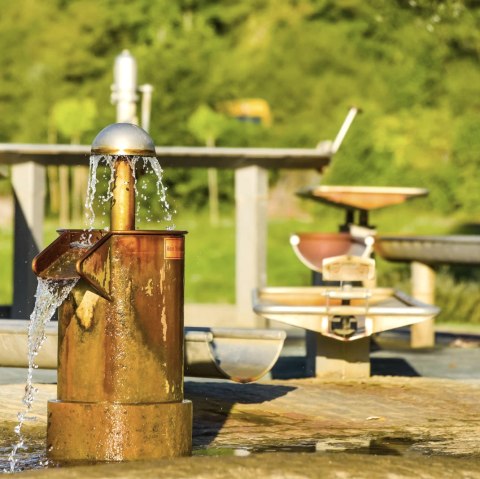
point(352, 113)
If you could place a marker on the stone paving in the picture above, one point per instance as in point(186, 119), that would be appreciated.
point(422, 421)
point(391, 427)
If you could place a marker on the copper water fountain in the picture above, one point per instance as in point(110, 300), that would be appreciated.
point(120, 353)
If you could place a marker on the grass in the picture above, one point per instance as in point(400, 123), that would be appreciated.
point(210, 257)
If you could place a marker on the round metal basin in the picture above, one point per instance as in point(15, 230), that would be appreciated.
point(312, 248)
point(430, 249)
point(241, 355)
point(362, 197)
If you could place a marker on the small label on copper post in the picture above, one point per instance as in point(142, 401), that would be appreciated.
point(174, 248)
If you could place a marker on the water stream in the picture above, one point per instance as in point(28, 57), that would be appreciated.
point(145, 165)
point(49, 296)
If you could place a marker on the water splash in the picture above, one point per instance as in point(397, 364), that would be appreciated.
point(91, 190)
point(49, 296)
point(148, 166)
point(161, 189)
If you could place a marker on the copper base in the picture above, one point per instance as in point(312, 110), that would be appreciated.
point(118, 432)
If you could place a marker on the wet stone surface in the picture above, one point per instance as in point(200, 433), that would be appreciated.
point(278, 466)
point(381, 427)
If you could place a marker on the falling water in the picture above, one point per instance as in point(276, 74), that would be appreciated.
point(149, 165)
point(161, 189)
point(49, 296)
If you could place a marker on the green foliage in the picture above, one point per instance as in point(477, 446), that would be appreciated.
point(73, 117)
point(412, 66)
point(206, 125)
point(466, 157)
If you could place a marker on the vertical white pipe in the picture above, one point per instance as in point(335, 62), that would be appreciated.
point(146, 91)
point(124, 88)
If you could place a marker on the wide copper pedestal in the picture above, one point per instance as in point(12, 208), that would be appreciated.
point(120, 352)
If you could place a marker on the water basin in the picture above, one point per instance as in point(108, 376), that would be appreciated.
point(312, 248)
point(315, 308)
point(362, 197)
point(455, 249)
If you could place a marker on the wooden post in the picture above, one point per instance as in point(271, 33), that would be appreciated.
point(251, 195)
point(329, 358)
point(28, 181)
point(423, 289)
point(64, 212)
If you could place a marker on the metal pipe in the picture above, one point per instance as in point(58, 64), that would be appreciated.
point(124, 88)
point(146, 91)
point(122, 213)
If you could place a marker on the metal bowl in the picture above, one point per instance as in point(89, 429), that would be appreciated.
point(362, 197)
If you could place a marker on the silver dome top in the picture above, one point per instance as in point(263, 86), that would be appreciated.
point(123, 139)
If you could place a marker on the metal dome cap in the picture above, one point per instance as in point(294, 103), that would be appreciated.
point(123, 139)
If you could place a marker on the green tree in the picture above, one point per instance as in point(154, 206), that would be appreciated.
point(72, 118)
point(207, 125)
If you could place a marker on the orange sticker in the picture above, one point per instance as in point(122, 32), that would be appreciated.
point(174, 248)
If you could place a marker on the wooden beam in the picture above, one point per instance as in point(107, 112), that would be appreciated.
point(175, 156)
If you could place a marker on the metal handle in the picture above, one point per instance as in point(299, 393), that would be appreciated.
point(352, 113)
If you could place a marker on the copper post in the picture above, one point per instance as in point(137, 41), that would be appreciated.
point(122, 215)
point(120, 352)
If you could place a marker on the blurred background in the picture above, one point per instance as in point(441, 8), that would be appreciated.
point(263, 73)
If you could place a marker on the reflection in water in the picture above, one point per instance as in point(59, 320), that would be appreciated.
point(354, 445)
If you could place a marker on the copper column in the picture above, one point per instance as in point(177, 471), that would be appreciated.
point(120, 356)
